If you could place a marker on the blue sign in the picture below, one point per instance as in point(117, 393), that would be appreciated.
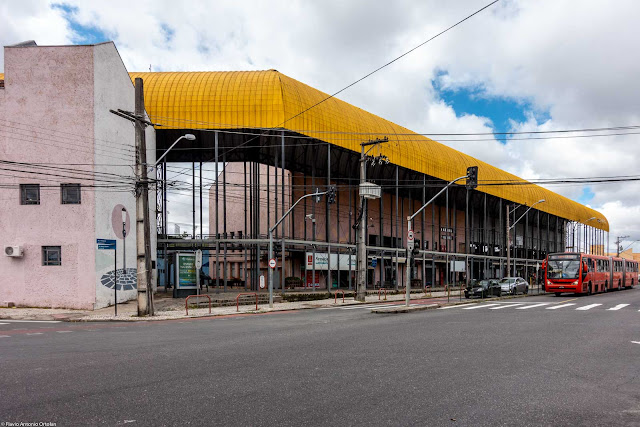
point(106, 244)
point(374, 262)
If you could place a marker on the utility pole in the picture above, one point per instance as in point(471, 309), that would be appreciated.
point(143, 228)
point(143, 231)
point(361, 248)
point(618, 241)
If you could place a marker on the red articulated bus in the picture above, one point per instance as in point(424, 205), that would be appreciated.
point(574, 272)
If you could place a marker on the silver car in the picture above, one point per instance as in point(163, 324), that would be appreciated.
point(513, 286)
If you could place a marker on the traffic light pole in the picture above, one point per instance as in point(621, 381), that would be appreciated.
point(330, 199)
point(410, 241)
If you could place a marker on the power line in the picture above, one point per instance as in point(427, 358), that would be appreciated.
point(376, 70)
point(361, 134)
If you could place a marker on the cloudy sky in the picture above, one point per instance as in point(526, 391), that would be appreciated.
point(519, 65)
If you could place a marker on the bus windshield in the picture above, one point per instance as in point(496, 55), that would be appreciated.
point(563, 268)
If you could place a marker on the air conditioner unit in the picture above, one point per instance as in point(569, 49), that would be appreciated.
point(14, 251)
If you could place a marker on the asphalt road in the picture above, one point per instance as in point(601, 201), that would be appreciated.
point(513, 363)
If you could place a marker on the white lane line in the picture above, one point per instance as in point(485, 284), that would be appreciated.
point(555, 307)
point(30, 321)
point(506, 306)
point(479, 306)
point(588, 307)
point(3, 323)
point(634, 342)
point(63, 332)
point(617, 307)
point(35, 333)
point(458, 306)
point(533, 306)
point(5, 336)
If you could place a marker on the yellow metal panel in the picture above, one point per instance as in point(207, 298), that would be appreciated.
point(268, 99)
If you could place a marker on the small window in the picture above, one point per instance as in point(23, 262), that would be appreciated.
point(29, 194)
point(51, 255)
point(70, 194)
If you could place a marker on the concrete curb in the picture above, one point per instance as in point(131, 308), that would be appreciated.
point(405, 309)
point(80, 317)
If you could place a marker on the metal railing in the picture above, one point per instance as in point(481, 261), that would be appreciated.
point(245, 293)
point(186, 302)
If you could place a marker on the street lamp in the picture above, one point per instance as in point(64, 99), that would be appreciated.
point(509, 238)
point(188, 137)
point(124, 242)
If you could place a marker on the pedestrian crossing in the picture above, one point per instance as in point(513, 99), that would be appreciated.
point(541, 306)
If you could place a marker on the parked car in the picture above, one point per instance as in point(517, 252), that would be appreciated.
point(510, 286)
point(480, 288)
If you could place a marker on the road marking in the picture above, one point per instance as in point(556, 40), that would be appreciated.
point(63, 332)
point(532, 306)
point(588, 307)
point(555, 307)
point(458, 306)
point(634, 342)
point(479, 306)
point(35, 333)
point(30, 321)
point(617, 307)
point(505, 306)
point(3, 323)
point(5, 336)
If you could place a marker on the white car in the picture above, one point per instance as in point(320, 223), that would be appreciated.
point(513, 286)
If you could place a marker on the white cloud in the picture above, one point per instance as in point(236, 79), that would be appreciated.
point(574, 60)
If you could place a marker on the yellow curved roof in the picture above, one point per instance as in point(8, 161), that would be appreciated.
point(265, 99)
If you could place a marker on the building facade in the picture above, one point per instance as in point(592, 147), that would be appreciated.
point(68, 175)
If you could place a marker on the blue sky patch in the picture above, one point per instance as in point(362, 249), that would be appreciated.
point(167, 32)
point(82, 34)
point(473, 100)
point(586, 196)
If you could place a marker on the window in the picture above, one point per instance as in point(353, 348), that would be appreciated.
point(51, 255)
point(29, 194)
point(70, 194)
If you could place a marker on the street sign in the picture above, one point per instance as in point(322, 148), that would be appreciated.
point(198, 259)
point(272, 263)
point(410, 240)
point(106, 243)
point(374, 262)
point(262, 285)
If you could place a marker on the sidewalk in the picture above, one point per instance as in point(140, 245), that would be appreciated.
point(174, 308)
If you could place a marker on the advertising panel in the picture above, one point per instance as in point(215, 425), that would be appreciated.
point(186, 271)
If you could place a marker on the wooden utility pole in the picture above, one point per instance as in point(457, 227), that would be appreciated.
point(143, 231)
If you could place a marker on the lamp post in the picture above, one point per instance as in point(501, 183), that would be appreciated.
point(509, 227)
point(187, 136)
point(472, 182)
point(331, 192)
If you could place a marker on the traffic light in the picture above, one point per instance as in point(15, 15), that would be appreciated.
point(415, 252)
point(331, 195)
point(472, 177)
